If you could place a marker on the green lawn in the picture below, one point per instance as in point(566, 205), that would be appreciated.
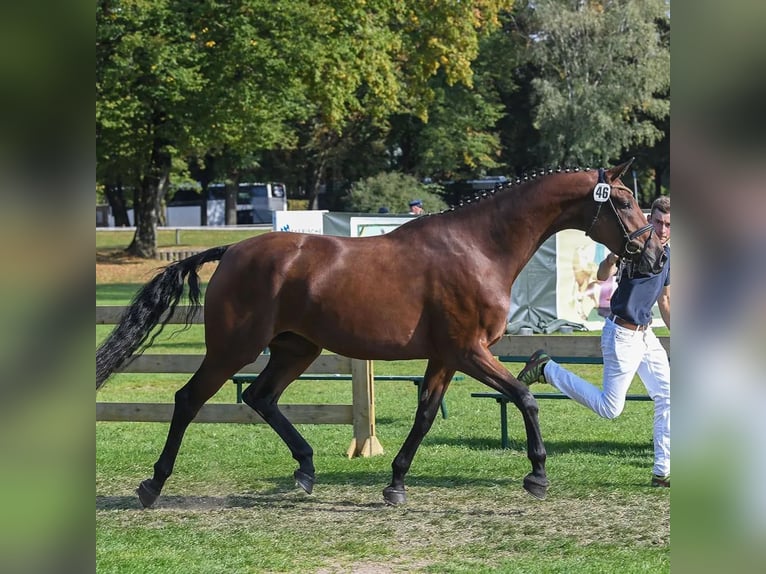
point(231, 505)
point(121, 238)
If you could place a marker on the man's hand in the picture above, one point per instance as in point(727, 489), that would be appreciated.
point(607, 267)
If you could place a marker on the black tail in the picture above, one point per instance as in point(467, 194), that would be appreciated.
point(146, 310)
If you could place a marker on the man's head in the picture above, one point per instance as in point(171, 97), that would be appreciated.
point(416, 206)
point(660, 218)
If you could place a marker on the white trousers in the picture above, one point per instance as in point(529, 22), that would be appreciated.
point(625, 353)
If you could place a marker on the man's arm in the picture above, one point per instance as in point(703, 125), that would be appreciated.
point(664, 304)
point(607, 267)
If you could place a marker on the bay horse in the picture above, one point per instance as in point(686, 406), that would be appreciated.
point(299, 294)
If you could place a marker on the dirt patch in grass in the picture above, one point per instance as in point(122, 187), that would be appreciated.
point(479, 526)
point(115, 266)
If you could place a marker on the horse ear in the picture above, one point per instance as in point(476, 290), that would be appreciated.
point(618, 171)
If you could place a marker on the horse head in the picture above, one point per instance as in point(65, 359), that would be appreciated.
point(618, 222)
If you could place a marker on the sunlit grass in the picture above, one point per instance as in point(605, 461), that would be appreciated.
point(231, 505)
point(121, 238)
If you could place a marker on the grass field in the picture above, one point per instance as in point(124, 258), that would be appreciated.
point(231, 505)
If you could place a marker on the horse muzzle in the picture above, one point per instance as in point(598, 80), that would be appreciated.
point(652, 259)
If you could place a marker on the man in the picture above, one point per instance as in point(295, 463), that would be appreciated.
point(628, 345)
point(416, 207)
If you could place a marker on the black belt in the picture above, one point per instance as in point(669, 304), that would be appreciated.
point(627, 324)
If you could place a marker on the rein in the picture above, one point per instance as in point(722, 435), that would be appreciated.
point(629, 237)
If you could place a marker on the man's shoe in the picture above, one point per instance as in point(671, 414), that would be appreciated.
point(661, 481)
point(533, 370)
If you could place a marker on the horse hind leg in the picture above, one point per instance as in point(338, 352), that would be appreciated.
point(188, 401)
point(290, 356)
point(435, 383)
point(483, 366)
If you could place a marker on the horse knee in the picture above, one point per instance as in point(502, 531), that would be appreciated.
point(528, 403)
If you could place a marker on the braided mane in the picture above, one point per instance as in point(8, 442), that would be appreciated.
point(525, 178)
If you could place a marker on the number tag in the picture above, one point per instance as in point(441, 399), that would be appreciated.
point(601, 192)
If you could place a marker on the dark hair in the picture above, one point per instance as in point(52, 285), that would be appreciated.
point(662, 204)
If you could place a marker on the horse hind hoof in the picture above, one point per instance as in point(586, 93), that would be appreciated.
point(147, 494)
point(536, 486)
point(394, 496)
point(304, 480)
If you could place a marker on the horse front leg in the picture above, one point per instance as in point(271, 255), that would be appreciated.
point(188, 401)
point(483, 366)
point(436, 381)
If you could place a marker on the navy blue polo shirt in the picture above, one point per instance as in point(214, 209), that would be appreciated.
point(635, 296)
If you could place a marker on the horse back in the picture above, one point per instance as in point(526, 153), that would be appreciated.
point(380, 297)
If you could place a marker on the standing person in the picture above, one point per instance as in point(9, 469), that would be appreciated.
point(416, 207)
point(628, 345)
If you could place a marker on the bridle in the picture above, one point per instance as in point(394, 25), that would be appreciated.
point(630, 250)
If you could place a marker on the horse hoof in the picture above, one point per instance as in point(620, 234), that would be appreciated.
point(394, 496)
point(536, 486)
point(304, 480)
point(147, 494)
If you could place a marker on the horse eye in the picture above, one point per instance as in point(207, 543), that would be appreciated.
point(626, 204)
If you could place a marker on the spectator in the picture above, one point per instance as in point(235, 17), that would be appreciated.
point(416, 207)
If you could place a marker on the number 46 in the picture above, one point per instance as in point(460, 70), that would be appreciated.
point(601, 192)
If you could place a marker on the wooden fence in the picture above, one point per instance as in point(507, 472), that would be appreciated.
point(360, 413)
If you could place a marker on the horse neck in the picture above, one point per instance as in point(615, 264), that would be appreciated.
point(525, 215)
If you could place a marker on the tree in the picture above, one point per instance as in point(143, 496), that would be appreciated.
point(230, 80)
point(603, 75)
point(393, 191)
point(506, 66)
point(458, 140)
point(378, 59)
point(146, 74)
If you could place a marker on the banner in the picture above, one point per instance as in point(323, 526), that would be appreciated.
point(299, 221)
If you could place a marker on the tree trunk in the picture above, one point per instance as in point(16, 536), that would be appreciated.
point(115, 196)
point(203, 205)
point(148, 203)
point(144, 242)
point(315, 179)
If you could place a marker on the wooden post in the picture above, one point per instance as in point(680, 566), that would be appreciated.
point(364, 443)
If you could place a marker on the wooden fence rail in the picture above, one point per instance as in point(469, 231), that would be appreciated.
point(360, 414)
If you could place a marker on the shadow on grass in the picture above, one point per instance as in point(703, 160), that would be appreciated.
point(290, 501)
point(605, 447)
point(284, 494)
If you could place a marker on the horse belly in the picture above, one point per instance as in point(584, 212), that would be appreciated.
point(364, 331)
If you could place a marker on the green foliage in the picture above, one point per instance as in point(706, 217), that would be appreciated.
point(459, 138)
point(322, 94)
point(229, 80)
point(392, 190)
point(603, 72)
